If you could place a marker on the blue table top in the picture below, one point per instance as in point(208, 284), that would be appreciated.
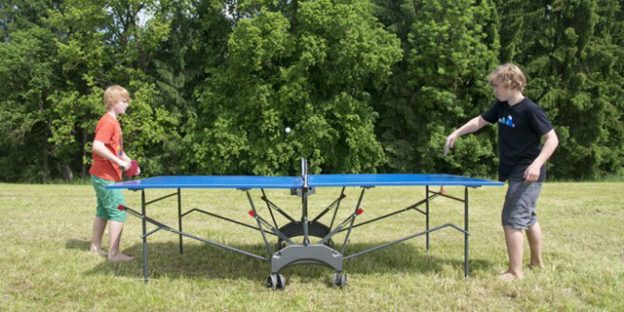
point(395, 179)
point(211, 182)
point(287, 182)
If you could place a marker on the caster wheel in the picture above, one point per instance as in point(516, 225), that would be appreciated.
point(276, 281)
point(339, 280)
point(271, 281)
point(281, 281)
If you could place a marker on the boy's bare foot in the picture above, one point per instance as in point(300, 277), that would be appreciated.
point(119, 257)
point(536, 266)
point(98, 251)
point(509, 276)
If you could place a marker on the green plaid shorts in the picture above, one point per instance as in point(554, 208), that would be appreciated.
point(108, 200)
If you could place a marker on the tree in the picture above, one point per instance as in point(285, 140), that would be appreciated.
point(306, 65)
point(27, 66)
point(572, 53)
point(366, 85)
point(450, 47)
point(58, 58)
point(194, 49)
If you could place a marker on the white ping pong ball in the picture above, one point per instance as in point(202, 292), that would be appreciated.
point(287, 130)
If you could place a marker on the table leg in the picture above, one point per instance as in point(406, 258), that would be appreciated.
point(180, 219)
point(427, 218)
point(144, 226)
point(466, 234)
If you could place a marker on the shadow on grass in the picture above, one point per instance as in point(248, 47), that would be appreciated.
point(77, 244)
point(204, 261)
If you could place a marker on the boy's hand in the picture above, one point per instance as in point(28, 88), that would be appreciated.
point(125, 165)
point(450, 142)
point(532, 173)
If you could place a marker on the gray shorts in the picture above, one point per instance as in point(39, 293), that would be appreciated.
point(519, 208)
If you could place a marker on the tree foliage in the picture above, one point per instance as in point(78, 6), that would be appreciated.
point(366, 85)
point(576, 72)
point(310, 66)
point(450, 46)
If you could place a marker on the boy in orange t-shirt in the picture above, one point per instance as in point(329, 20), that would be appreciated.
point(109, 159)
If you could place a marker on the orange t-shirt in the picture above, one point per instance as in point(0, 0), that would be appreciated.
point(108, 131)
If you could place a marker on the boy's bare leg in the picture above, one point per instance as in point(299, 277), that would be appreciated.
point(534, 234)
point(99, 225)
point(114, 255)
point(514, 239)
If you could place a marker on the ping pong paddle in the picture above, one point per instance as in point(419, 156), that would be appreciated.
point(134, 169)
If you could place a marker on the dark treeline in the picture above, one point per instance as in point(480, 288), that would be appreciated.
point(366, 85)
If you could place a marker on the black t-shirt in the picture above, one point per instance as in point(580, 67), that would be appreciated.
point(520, 129)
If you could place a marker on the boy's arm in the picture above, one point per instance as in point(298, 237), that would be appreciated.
point(471, 126)
point(551, 141)
point(100, 149)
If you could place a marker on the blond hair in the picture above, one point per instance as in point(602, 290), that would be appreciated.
point(508, 75)
point(114, 93)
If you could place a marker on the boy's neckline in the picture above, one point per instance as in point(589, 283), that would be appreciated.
point(514, 104)
point(112, 114)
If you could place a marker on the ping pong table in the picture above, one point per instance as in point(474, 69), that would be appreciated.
point(317, 246)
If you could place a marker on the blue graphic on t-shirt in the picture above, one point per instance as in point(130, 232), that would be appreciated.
point(507, 121)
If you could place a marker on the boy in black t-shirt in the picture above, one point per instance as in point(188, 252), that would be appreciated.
point(521, 126)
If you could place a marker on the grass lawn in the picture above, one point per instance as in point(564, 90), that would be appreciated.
point(45, 266)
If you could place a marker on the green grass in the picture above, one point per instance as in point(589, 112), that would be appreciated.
point(45, 266)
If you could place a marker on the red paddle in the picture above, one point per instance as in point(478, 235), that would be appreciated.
point(134, 169)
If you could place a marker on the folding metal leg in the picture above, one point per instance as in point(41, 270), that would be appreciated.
point(144, 226)
point(180, 219)
point(355, 212)
point(269, 208)
point(266, 242)
point(427, 218)
point(466, 233)
point(161, 226)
